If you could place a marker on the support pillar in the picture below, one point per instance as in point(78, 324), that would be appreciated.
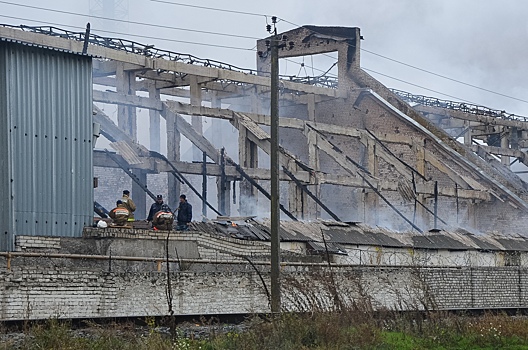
point(248, 158)
point(300, 204)
point(297, 199)
point(173, 154)
point(126, 115)
point(422, 216)
point(371, 199)
point(468, 135)
point(196, 121)
point(138, 195)
point(223, 187)
point(472, 214)
point(127, 121)
point(154, 120)
point(505, 143)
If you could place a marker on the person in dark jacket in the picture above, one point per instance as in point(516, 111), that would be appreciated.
point(155, 207)
point(184, 214)
point(163, 219)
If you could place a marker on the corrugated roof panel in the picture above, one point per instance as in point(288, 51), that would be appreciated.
point(438, 242)
point(513, 244)
point(484, 243)
point(47, 103)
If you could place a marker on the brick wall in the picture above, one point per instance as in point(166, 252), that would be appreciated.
point(31, 292)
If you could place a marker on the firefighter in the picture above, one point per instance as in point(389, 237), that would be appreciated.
point(129, 204)
point(163, 219)
point(120, 214)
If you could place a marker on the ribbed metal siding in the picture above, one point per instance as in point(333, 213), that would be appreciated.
point(49, 122)
point(5, 194)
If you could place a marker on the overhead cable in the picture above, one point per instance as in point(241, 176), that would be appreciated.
point(130, 22)
point(133, 35)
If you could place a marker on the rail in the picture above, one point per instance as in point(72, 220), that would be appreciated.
point(457, 106)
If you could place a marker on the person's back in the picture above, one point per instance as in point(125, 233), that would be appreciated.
point(120, 214)
point(129, 204)
point(163, 219)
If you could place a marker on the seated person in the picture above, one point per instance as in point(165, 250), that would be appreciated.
point(119, 214)
point(163, 219)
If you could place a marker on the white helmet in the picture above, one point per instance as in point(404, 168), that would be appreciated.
point(102, 224)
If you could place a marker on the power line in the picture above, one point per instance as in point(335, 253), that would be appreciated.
point(443, 76)
point(130, 22)
point(238, 48)
point(422, 87)
point(135, 35)
point(385, 75)
point(240, 36)
point(420, 69)
point(325, 72)
point(211, 8)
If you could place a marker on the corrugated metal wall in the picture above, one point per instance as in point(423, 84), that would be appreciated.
point(46, 118)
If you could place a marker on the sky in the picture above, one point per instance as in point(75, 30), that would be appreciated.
point(482, 44)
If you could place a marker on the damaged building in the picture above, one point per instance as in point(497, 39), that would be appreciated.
point(372, 178)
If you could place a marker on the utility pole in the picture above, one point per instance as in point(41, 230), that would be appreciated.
point(274, 44)
point(274, 168)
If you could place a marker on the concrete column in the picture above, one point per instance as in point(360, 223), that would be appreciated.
point(472, 214)
point(139, 196)
point(154, 120)
point(371, 199)
point(223, 193)
point(248, 158)
point(312, 209)
point(422, 216)
point(468, 134)
point(127, 121)
point(173, 154)
point(297, 199)
point(126, 115)
point(348, 57)
point(505, 143)
point(196, 121)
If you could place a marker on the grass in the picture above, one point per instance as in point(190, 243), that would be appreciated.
point(318, 331)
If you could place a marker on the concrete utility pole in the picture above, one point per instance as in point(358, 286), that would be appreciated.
point(274, 168)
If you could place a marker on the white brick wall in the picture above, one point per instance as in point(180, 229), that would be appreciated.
point(36, 293)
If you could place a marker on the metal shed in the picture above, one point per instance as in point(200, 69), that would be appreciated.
point(46, 133)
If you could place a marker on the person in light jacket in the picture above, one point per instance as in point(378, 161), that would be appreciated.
point(129, 204)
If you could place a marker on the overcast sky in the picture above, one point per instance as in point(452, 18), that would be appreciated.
point(479, 42)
